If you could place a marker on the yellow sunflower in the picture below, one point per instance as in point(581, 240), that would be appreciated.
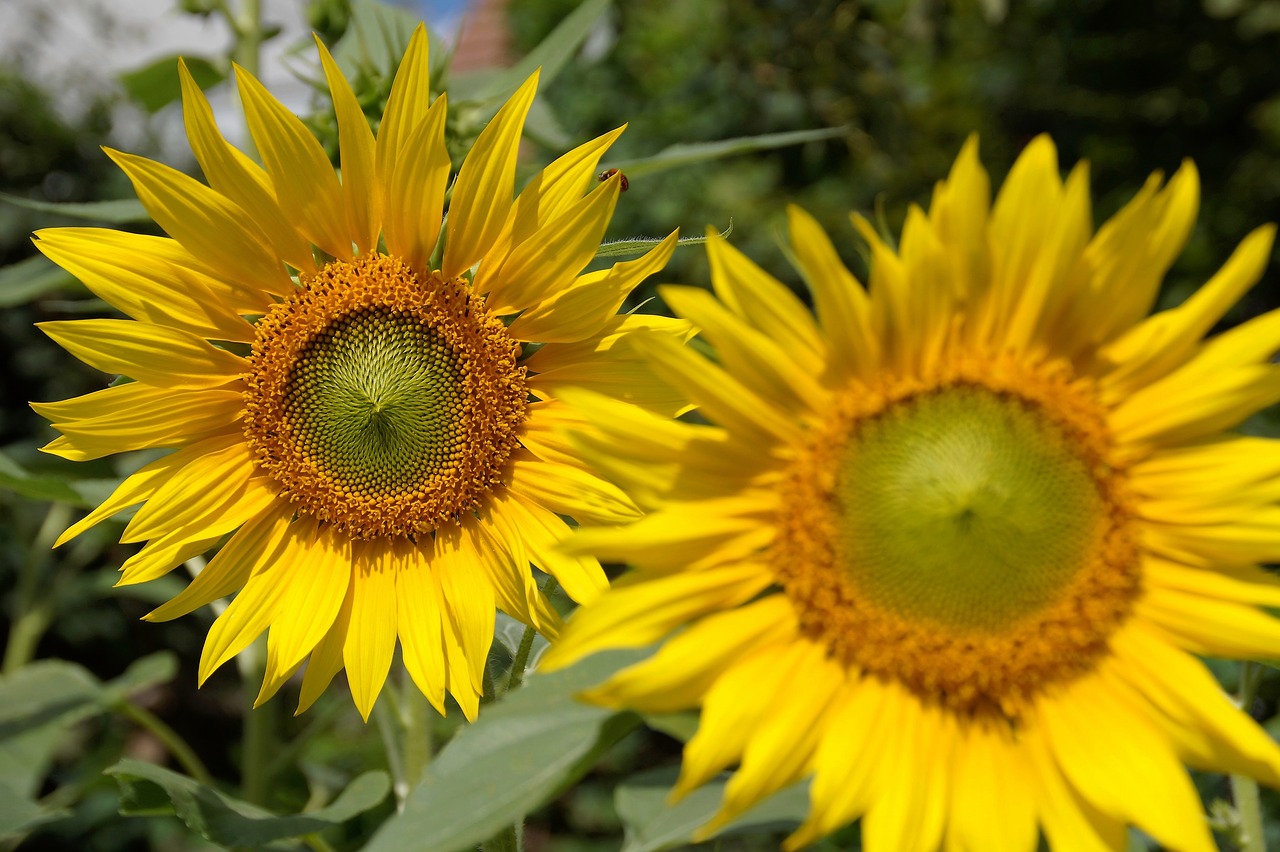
point(949, 547)
point(372, 432)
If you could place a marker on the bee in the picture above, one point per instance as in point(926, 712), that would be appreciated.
point(623, 184)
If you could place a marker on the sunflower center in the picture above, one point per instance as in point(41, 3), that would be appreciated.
point(964, 508)
point(383, 401)
point(966, 535)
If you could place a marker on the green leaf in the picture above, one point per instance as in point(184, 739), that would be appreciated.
point(157, 85)
point(551, 55)
point(376, 39)
point(145, 673)
point(678, 726)
point(34, 487)
point(120, 212)
point(37, 703)
point(653, 824)
point(30, 279)
point(18, 814)
point(150, 790)
point(688, 154)
point(639, 245)
point(520, 753)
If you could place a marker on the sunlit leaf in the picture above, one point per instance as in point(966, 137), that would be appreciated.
point(688, 154)
point(521, 753)
point(120, 212)
point(37, 487)
point(156, 85)
point(639, 245)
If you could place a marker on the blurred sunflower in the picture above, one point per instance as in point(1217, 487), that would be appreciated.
point(370, 431)
point(950, 547)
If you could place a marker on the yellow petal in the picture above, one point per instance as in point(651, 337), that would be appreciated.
point(258, 603)
point(418, 619)
point(145, 291)
point(636, 612)
point(1162, 343)
point(581, 310)
point(764, 302)
point(506, 564)
point(468, 602)
point(356, 152)
point(206, 223)
point(992, 776)
point(371, 635)
point(840, 302)
point(1070, 821)
point(406, 108)
point(483, 192)
point(246, 553)
point(239, 178)
point(144, 483)
point(684, 668)
point(303, 179)
point(1196, 713)
point(161, 556)
point(148, 353)
point(326, 659)
point(309, 606)
point(571, 491)
point(543, 535)
point(545, 264)
point(915, 777)
point(1124, 766)
point(205, 495)
point(1209, 627)
point(414, 204)
point(959, 214)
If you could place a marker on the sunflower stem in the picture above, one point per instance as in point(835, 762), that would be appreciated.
point(172, 740)
point(1244, 790)
point(385, 718)
point(415, 721)
point(32, 612)
point(248, 29)
point(521, 661)
point(256, 743)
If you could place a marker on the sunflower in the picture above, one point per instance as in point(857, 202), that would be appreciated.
point(371, 434)
point(949, 547)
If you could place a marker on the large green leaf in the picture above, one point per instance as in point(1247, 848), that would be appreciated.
point(551, 55)
point(18, 814)
point(149, 790)
point(521, 753)
point(156, 84)
point(121, 212)
point(652, 824)
point(30, 279)
point(688, 154)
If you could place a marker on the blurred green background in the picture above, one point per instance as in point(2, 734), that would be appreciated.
point(1131, 86)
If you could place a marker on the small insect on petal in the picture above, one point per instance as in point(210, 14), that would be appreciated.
point(623, 183)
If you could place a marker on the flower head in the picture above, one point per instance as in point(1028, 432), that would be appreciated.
point(368, 432)
point(948, 544)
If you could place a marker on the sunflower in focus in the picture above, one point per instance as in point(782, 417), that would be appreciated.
point(370, 434)
point(949, 544)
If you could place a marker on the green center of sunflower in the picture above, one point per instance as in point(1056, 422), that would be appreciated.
point(381, 400)
point(966, 534)
point(373, 399)
point(963, 507)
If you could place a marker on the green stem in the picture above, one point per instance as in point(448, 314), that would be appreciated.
point(256, 743)
point(1244, 790)
point(521, 661)
point(385, 720)
point(415, 721)
point(177, 746)
point(33, 612)
point(248, 28)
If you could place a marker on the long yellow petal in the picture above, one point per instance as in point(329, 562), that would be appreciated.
point(239, 178)
point(258, 603)
point(544, 535)
point(414, 208)
point(581, 310)
point(545, 264)
point(684, 668)
point(1069, 821)
point(356, 153)
point(326, 659)
point(304, 181)
point(571, 491)
point(468, 602)
point(483, 193)
point(309, 606)
point(159, 356)
point(418, 619)
point(162, 555)
point(915, 780)
point(505, 562)
point(145, 291)
point(246, 553)
point(406, 108)
point(371, 635)
point(206, 223)
point(992, 775)
point(1125, 768)
point(1212, 628)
